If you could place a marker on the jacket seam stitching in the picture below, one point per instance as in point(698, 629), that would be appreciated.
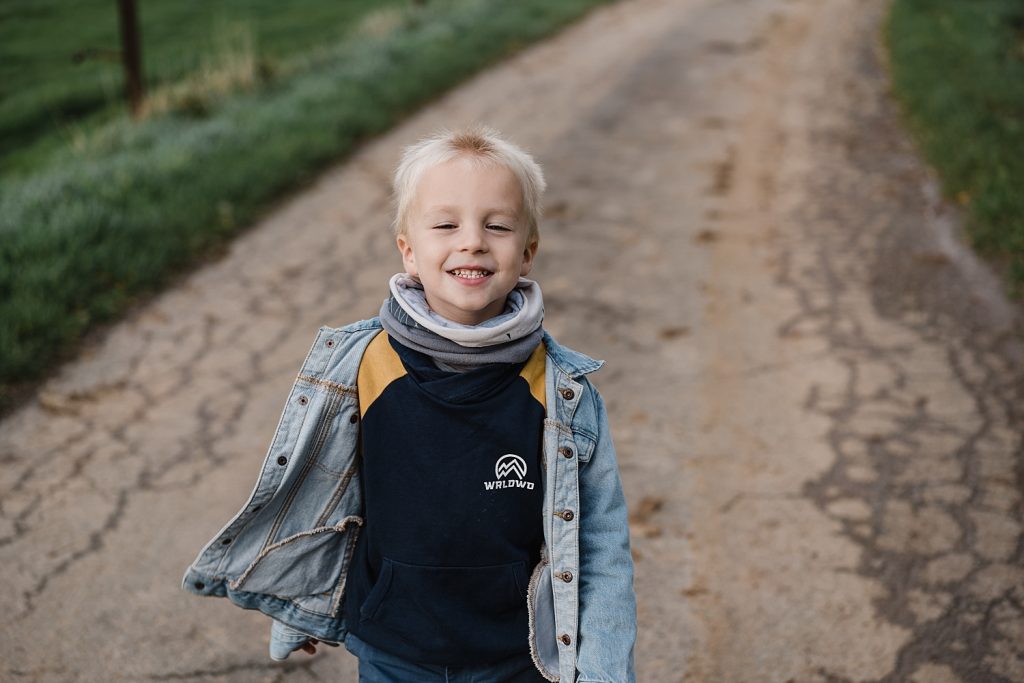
point(340, 526)
point(346, 563)
point(240, 524)
point(336, 387)
point(531, 592)
point(339, 492)
point(330, 412)
point(555, 423)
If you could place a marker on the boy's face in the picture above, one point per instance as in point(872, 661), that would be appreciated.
point(466, 239)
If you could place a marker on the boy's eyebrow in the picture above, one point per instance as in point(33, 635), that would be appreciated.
point(500, 209)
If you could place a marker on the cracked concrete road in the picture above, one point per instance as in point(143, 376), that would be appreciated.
point(815, 391)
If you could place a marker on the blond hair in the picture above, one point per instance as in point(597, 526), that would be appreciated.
point(480, 143)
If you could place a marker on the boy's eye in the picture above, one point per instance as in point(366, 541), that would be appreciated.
point(502, 228)
point(444, 226)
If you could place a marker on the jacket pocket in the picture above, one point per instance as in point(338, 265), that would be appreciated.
point(584, 445)
point(303, 564)
point(449, 612)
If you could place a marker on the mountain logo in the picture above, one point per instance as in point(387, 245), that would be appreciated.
point(509, 465)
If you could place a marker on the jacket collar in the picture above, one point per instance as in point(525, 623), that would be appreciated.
point(361, 325)
point(572, 363)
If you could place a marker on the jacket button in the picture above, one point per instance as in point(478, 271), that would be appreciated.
point(568, 394)
point(199, 585)
point(353, 418)
point(565, 451)
point(566, 576)
point(566, 640)
point(303, 400)
point(567, 515)
point(226, 541)
point(281, 460)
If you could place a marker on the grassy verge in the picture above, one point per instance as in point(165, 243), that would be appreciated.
point(958, 70)
point(112, 218)
point(46, 95)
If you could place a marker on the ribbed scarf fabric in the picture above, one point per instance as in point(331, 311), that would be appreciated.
point(506, 338)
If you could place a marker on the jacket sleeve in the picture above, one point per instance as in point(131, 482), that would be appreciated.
point(284, 640)
point(607, 626)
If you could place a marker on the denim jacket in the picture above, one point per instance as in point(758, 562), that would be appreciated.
point(287, 551)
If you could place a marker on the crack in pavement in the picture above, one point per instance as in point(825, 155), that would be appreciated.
point(927, 473)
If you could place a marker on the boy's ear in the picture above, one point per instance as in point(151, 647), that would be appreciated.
point(528, 255)
point(408, 258)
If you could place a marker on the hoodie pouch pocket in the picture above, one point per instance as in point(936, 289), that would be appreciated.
point(442, 613)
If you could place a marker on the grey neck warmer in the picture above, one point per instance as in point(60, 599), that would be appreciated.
point(506, 338)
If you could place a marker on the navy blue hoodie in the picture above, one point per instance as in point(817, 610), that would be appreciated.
point(452, 479)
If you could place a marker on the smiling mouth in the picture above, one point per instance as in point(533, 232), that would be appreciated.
point(470, 274)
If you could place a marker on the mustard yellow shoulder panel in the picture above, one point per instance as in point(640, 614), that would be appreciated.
point(533, 373)
point(379, 367)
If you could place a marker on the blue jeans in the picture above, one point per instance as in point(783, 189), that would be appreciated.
point(377, 666)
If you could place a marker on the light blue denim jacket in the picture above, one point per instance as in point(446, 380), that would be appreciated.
point(287, 551)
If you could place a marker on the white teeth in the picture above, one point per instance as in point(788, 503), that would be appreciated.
point(469, 274)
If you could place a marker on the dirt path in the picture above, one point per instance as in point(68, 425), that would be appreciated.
point(815, 392)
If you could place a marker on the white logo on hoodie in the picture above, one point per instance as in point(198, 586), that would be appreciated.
point(509, 464)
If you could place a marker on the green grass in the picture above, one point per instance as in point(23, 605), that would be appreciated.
point(958, 70)
point(44, 96)
point(111, 218)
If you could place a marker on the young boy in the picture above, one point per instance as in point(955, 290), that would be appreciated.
point(441, 493)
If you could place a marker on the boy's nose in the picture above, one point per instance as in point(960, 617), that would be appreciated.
point(473, 239)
